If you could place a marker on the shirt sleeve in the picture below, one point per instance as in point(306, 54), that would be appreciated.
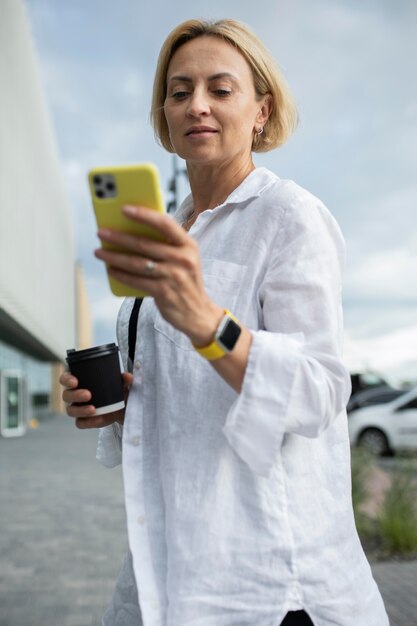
point(109, 445)
point(295, 381)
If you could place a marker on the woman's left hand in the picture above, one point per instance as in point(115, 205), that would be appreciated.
point(169, 271)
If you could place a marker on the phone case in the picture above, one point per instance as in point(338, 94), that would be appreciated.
point(113, 187)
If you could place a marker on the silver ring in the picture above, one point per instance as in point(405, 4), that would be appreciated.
point(150, 266)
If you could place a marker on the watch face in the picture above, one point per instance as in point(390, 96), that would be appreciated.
point(230, 335)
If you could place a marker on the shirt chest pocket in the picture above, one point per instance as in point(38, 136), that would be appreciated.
point(224, 283)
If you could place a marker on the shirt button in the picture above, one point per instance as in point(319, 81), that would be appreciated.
point(136, 441)
point(137, 365)
point(141, 519)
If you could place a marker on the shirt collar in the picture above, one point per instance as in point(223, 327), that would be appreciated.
point(251, 187)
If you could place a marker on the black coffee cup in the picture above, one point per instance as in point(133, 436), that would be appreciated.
point(98, 370)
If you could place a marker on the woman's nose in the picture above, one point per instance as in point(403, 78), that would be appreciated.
point(198, 104)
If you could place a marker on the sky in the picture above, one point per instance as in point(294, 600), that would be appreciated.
point(351, 67)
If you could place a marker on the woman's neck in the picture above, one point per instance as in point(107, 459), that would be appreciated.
point(211, 185)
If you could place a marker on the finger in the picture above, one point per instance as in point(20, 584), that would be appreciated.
point(132, 264)
point(87, 410)
point(142, 246)
point(68, 380)
point(76, 395)
point(99, 421)
point(149, 285)
point(167, 226)
point(127, 378)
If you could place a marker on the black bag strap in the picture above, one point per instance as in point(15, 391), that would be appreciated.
point(133, 327)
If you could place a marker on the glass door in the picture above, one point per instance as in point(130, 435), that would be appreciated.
point(13, 405)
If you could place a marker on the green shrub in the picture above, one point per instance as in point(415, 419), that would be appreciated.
point(361, 461)
point(398, 516)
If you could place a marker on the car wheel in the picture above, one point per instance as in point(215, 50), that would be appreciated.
point(374, 441)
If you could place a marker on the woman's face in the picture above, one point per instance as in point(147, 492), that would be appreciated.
point(211, 106)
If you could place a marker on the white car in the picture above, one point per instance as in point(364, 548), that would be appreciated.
point(385, 428)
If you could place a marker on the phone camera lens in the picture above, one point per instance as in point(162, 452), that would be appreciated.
point(100, 193)
point(110, 186)
point(97, 180)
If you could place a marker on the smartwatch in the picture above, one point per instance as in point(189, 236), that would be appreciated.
point(225, 338)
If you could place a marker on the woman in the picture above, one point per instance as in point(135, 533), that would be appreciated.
point(235, 443)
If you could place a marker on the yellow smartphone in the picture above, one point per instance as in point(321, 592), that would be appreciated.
point(113, 187)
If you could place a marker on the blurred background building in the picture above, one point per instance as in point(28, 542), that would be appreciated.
point(43, 303)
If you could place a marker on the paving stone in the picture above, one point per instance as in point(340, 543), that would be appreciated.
point(63, 528)
point(397, 582)
point(63, 535)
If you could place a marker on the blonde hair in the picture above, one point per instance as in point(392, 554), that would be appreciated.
point(267, 79)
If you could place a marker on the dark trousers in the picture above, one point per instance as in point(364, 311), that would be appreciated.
point(297, 618)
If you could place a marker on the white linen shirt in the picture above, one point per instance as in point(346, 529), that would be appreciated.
point(239, 505)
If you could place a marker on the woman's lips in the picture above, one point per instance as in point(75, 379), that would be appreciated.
point(200, 131)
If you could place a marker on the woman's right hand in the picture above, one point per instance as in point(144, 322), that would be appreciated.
point(84, 415)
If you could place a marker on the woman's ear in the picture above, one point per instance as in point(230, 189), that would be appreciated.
point(265, 110)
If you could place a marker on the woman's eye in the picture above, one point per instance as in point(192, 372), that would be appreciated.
point(222, 92)
point(179, 95)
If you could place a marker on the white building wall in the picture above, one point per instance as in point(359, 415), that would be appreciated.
point(36, 241)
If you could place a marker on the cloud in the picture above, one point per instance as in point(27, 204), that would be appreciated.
point(384, 276)
point(392, 354)
point(350, 66)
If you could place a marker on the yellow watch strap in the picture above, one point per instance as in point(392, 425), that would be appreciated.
point(214, 351)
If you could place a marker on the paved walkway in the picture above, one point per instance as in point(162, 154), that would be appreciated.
point(398, 585)
point(63, 534)
point(63, 524)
